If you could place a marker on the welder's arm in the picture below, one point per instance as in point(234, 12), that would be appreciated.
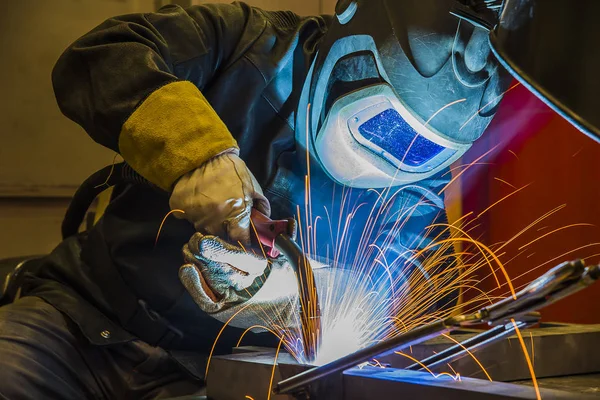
point(135, 85)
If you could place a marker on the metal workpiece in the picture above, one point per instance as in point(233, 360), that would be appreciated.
point(520, 309)
point(236, 376)
point(588, 384)
point(250, 373)
point(557, 351)
point(400, 342)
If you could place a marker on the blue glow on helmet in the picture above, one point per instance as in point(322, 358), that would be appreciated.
point(392, 134)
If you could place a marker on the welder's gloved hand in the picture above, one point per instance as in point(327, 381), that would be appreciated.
point(218, 198)
point(234, 286)
point(225, 280)
point(218, 274)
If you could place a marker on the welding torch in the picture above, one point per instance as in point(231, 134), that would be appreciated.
point(505, 316)
point(278, 237)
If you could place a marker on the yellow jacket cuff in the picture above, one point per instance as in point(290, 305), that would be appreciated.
point(172, 132)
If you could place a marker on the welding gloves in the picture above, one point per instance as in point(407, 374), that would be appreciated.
point(218, 274)
point(218, 198)
point(239, 287)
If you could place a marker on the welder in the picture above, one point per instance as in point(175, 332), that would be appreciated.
point(217, 106)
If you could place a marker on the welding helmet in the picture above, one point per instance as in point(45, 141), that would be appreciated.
point(401, 89)
point(553, 48)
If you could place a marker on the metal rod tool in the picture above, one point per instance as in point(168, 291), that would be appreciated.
point(278, 237)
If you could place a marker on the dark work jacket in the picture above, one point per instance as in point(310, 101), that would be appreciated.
point(251, 66)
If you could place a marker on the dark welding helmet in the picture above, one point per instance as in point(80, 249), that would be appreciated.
point(553, 48)
point(400, 89)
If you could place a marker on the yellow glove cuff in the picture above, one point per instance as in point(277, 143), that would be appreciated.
point(174, 131)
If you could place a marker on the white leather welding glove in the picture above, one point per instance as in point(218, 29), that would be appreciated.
point(225, 280)
point(218, 274)
point(218, 198)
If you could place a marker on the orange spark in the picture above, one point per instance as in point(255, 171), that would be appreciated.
point(453, 370)
point(558, 258)
point(454, 377)
point(506, 183)
point(554, 231)
point(577, 153)
point(262, 249)
point(532, 349)
point(537, 221)
point(455, 178)
point(163, 223)
point(255, 327)
point(502, 199)
point(273, 370)
point(112, 169)
point(529, 363)
point(212, 350)
point(471, 354)
point(443, 108)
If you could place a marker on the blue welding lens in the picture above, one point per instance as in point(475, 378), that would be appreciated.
point(392, 134)
point(388, 133)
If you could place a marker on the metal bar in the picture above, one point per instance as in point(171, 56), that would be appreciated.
point(560, 282)
point(450, 351)
point(476, 343)
point(400, 342)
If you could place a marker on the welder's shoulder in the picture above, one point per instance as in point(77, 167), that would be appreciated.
point(252, 29)
point(286, 21)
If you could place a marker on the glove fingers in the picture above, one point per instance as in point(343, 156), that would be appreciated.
point(217, 250)
point(218, 196)
point(197, 287)
point(194, 281)
point(223, 265)
point(238, 228)
point(192, 248)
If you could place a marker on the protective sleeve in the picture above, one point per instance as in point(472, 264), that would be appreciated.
point(134, 84)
